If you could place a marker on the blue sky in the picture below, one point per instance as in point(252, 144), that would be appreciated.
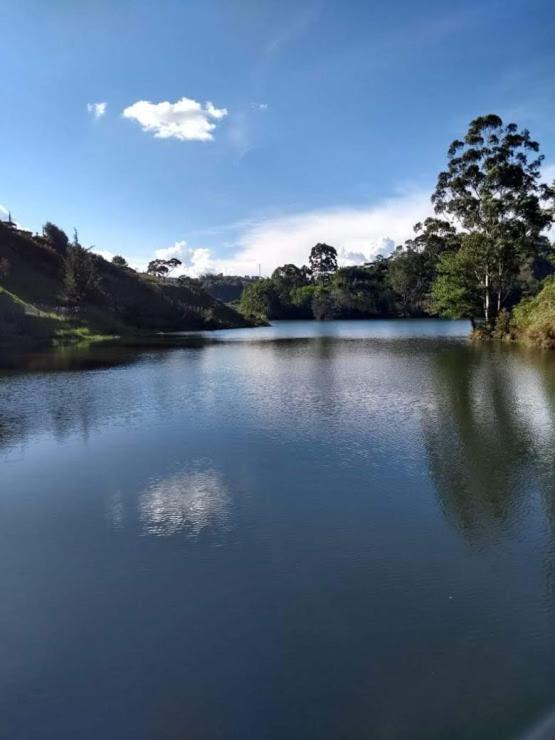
point(328, 120)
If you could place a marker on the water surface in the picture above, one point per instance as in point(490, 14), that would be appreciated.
point(309, 530)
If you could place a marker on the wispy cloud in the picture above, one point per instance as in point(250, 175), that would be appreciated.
point(240, 134)
point(185, 120)
point(294, 28)
point(97, 110)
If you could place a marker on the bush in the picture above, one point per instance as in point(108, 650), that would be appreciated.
point(81, 278)
point(502, 328)
point(260, 301)
point(534, 318)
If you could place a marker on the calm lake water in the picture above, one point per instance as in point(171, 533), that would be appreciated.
point(311, 530)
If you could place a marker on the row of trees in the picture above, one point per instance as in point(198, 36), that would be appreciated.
point(321, 290)
point(485, 248)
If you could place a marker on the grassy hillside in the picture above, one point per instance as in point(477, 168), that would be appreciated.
point(23, 322)
point(123, 301)
point(533, 320)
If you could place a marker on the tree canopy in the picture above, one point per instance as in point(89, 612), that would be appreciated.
point(161, 268)
point(57, 238)
point(492, 191)
point(323, 261)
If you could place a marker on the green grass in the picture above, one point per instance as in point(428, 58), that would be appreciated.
point(22, 321)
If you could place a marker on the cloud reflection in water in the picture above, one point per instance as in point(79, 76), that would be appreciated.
point(190, 501)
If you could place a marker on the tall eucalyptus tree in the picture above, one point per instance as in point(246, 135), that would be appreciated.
point(492, 190)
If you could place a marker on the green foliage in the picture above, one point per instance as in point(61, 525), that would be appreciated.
point(413, 268)
point(456, 292)
point(226, 288)
point(81, 278)
point(162, 268)
point(324, 304)
point(260, 301)
point(492, 188)
point(322, 261)
point(301, 301)
point(533, 320)
point(288, 278)
point(119, 261)
point(502, 324)
point(23, 322)
point(55, 236)
point(361, 291)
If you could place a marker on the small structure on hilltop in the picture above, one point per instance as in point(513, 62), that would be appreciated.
point(12, 225)
point(9, 223)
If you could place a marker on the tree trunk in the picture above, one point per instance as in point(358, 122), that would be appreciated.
point(486, 296)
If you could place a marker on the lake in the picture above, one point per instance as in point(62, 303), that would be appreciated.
point(309, 530)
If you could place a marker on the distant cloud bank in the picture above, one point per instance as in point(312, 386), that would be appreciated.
point(185, 120)
point(358, 234)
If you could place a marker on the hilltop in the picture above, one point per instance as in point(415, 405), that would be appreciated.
point(57, 291)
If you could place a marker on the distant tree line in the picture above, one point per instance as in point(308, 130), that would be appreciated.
point(485, 249)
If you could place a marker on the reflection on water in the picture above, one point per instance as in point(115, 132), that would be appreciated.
point(116, 510)
point(311, 530)
point(189, 501)
point(490, 436)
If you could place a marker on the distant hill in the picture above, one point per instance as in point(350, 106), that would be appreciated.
point(33, 274)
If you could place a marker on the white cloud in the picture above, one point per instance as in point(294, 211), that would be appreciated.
point(97, 109)
point(169, 252)
point(3, 210)
point(262, 106)
point(359, 235)
point(195, 261)
point(186, 119)
point(103, 253)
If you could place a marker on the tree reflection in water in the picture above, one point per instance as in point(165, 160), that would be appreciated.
point(490, 436)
